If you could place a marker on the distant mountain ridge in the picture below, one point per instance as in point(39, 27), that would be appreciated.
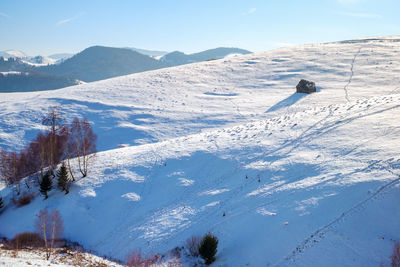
point(95, 63)
point(61, 56)
point(178, 58)
point(100, 62)
point(152, 53)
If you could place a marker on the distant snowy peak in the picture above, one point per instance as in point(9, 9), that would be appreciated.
point(179, 58)
point(39, 61)
point(12, 53)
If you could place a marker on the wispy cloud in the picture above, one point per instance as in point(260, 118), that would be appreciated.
point(4, 15)
point(64, 21)
point(361, 15)
point(250, 11)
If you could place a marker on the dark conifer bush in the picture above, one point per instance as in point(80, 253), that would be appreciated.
point(63, 180)
point(208, 248)
point(45, 185)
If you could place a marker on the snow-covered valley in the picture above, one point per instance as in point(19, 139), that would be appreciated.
point(227, 147)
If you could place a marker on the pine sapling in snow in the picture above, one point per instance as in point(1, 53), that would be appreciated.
point(208, 248)
point(63, 180)
point(45, 185)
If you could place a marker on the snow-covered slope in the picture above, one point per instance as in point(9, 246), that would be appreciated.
point(28, 257)
point(302, 179)
point(158, 105)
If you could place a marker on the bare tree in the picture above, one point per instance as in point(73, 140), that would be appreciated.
point(10, 170)
point(54, 120)
point(24, 166)
point(50, 227)
point(42, 151)
point(70, 151)
point(193, 244)
point(81, 144)
point(32, 158)
point(46, 150)
point(5, 170)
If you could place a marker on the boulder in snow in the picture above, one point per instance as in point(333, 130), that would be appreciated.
point(305, 86)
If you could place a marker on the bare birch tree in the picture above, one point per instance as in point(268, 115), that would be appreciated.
point(50, 226)
point(54, 121)
point(82, 143)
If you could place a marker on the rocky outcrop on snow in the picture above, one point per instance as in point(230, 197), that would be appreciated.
point(305, 86)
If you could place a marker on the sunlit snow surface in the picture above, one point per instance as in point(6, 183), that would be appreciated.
point(302, 179)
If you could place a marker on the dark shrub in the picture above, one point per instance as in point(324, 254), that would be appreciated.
point(25, 199)
point(395, 258)
point(26, 240)
point(135, 259)
point(193, 244)
point(208, 248)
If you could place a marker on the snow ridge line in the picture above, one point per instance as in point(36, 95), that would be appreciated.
point(309, 241)
point(351, 75)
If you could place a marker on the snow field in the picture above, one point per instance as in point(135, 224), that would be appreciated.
point(322, 170)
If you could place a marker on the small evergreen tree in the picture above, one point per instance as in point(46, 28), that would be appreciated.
point(1, 203)
point(63, 180)
point(208, 248)
point(46, 185)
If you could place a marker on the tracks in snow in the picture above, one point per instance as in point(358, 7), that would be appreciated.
point(351, 75)
point(319, 234)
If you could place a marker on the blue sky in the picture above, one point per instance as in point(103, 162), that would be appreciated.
point(48, 26)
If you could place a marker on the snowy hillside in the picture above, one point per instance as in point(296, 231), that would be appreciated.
point(302, 179)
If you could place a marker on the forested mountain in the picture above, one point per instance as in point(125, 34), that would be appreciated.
point(99, 63)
